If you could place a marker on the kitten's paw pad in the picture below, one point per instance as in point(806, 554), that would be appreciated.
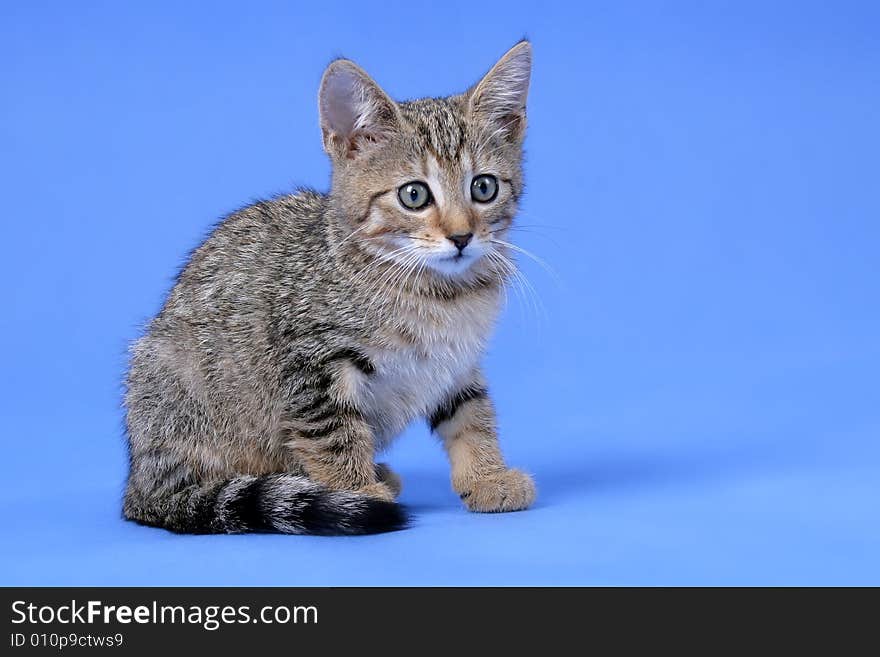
point(379, 490)
point(510, 490)
point(390, 478)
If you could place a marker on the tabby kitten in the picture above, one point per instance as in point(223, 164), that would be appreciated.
point(307, 331)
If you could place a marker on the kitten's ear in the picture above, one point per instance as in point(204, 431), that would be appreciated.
point(354, 110)
point(500, 97)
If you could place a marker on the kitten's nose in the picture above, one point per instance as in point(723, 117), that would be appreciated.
point(461, 240)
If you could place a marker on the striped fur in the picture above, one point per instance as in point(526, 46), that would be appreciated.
point(308, 330)
point(284, 503)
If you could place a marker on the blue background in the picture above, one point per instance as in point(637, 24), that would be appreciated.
point(698, 397)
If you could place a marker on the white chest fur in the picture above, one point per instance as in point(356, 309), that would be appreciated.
point(413, 377)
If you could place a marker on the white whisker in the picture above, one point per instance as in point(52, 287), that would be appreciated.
point(522, 285)
point(351, 234)
point(531, 255)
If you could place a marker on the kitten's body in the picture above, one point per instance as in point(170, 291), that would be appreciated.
point(290, 351)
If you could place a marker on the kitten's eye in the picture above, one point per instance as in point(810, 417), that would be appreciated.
point(484, 188)
point(414, 195)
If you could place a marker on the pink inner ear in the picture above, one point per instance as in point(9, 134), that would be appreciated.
point(355, 112)
point(338, 103)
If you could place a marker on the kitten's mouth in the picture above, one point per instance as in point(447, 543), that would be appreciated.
point(454, 264)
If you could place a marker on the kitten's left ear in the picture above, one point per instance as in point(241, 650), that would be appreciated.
point(354, 110)
point(500, 97)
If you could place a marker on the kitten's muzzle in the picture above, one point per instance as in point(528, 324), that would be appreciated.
point(460, 240)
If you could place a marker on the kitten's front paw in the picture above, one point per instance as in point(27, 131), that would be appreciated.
point(390, 478)
point(378, 490)
point(509, 490)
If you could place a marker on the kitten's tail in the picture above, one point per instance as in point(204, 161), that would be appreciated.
point(282, 503)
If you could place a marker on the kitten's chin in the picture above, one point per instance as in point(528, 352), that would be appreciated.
point(455, 266)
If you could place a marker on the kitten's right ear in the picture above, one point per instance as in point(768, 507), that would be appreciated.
point(354, 110)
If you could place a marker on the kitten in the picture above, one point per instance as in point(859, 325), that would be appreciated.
point(307, 331)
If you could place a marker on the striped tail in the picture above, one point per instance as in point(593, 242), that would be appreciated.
point(281, 503)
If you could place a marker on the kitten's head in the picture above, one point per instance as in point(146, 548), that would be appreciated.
point(431, 182)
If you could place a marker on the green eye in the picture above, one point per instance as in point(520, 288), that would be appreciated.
point(484, 188)
point(414, 195)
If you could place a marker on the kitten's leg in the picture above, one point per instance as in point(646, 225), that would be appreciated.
point(466, 423)
point(330, 439)
point(390, 478)
point(338, 454)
